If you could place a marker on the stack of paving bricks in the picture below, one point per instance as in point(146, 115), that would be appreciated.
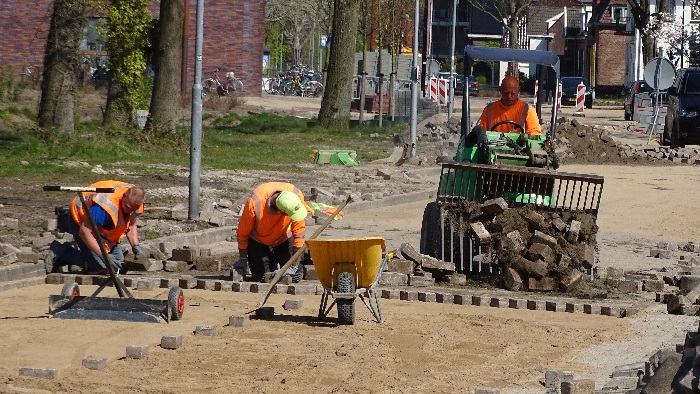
point(674, 370)
point(539, 251)
point(20, 267)
point(635, 282)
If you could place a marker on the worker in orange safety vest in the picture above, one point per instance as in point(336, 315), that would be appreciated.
point(511, 108)
point(270, 230)
point(115, 215)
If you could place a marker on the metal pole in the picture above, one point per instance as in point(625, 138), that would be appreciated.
point(451, 102)
point(196, 123)
point(414, 79)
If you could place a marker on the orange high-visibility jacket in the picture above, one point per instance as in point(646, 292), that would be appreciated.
point(519, 112)
point(110, 202)
point(263, 223)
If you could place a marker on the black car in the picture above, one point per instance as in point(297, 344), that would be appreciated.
point(569, 88)
point(473, 86)
point(683, 110)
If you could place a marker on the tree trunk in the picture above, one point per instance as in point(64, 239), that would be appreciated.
point(513, 68)
point(164, 100)
point(335, 106)
point(115, 114)
point(60, 74)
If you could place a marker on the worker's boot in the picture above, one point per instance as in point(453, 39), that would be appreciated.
point(51, 259)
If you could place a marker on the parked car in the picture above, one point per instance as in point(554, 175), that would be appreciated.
point(473, 86)
point(459, 81)
point(635, 88)
point(682, 124)
point(569, 88)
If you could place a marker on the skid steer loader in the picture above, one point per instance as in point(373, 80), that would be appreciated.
point(518, 167)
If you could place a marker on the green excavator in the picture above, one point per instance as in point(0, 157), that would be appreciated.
point(518, 167)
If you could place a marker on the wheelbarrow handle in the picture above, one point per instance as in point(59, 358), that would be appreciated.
point(56, 188)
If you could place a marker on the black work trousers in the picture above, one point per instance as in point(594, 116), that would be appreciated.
point(263, 258)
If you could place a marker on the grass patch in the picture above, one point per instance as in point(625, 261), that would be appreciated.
point(258, 141)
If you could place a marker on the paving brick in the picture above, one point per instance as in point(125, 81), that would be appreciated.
point(171, 341)
point(236, 320)
point(463, 299)
point(291, 304)
point(208, 330)
point(54, 279)
point(610, 310)
point(541, 238)
point(497, 302)
point(572, 307)
point(516, 303)
point(426, 296)
point(391, 294)
point(479, 230)
point(553, 306)
point(573, 233)
point(580, 386)
point(166, 283)
point(175, 266)
point(554, 379)
point(241, 287)
point(487, 390)
point(629, 286)
point(591, 309)
point(223, 285)
point(188, 283)
point(444, 298)
point(536, 305)
point(187, 255)
point(399, 266)
point(394, 278)
point(27, 257)
point(83, 279)
point(206, 284)
point(494, 206)
point(420, 281)
point(653, 285)
point(43, 373)
point(259, 287)
point(96, 364)
point(478, 300)
point(136, 351)
point(281, 288)
point(147, 284)
point(301, 289)
point(409, 295)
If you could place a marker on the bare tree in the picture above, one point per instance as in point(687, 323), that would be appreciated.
point(164, 103)
point(510, 13)
point(60, 71)
point(295, 18)
point(335, 108)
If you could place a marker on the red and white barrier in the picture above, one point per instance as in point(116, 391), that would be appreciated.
point(559, 96)
point(580, 97)
point(439, 90)
point(537, 88)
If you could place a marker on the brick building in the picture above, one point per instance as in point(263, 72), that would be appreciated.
point(234, 37)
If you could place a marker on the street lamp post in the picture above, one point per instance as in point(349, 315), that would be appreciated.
point(196, 122)
point(414, 79)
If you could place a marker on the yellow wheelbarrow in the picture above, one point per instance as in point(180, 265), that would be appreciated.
point(348, 268)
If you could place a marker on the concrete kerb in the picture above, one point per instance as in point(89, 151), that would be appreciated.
point(391, 200)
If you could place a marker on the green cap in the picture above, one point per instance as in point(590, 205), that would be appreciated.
point(290, 204)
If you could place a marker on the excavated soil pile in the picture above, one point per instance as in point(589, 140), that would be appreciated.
point(539, 250)
point(580, 144)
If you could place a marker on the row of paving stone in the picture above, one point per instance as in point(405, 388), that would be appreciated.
point(497, 301)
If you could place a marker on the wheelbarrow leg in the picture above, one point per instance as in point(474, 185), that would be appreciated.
point(322, 307)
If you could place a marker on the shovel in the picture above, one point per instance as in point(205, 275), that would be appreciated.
point(298, 254)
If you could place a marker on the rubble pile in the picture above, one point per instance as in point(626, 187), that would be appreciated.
point(540, 251)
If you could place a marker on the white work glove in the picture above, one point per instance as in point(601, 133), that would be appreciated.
point(289, 272)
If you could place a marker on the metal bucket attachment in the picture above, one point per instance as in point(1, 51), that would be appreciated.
point(520, 185)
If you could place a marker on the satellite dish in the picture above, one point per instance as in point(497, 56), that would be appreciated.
point(659, 73)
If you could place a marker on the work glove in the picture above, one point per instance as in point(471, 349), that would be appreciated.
point(240, 266)
point(289, 272)
point(138, 252)
point(116, 265)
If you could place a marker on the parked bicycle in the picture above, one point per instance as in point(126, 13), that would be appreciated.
point(232, 85)
point(300, 80)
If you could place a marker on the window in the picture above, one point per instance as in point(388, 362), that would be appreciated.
point(619, 13)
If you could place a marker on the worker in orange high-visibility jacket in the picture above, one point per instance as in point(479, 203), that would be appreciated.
point(270, 230)
point(115, 215)
point(510, 107)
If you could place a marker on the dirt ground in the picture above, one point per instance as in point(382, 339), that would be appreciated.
point(421, 347)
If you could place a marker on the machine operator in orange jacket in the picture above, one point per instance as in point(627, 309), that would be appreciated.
point(509, 107)
point(115, 214)
point(270, 230)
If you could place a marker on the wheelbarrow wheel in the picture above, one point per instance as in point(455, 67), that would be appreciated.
point(346, 306)
point(176, 303)
point(70, 289)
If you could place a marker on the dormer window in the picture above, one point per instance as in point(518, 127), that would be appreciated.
point(619, 13)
